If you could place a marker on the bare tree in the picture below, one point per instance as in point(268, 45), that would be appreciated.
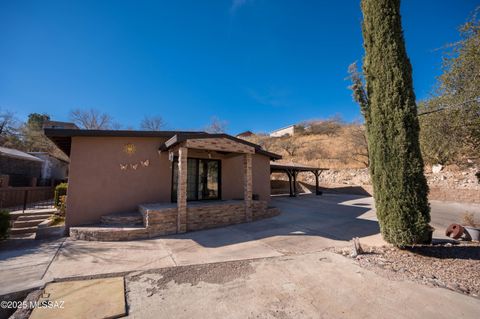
point(8, 123)
point(91, 119)
point(290, 145)
point(152, 123)
point(216, 126)
point(358, 145)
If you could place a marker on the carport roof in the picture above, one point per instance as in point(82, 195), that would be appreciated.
point(282, 167)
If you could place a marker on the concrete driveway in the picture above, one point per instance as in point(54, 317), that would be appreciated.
point(307, 224)
point(316, 285)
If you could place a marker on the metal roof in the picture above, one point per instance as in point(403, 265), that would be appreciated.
point(13, 153)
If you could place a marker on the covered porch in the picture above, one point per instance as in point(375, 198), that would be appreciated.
point(178, 148)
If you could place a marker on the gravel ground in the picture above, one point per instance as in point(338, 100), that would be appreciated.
point(455, 267)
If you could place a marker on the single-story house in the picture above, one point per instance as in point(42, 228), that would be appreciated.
point(160, 182)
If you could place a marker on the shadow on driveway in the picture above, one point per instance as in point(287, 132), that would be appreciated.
point(330, 216)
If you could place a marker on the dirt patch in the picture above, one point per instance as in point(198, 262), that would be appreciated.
point(218, 273)
point(455, 267)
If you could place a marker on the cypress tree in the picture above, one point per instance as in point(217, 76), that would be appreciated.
point(396, 164)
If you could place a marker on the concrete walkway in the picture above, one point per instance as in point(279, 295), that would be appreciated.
point(307, 224)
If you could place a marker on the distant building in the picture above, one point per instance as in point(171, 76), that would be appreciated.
point(18, 168)
point(53, 168)
point(60, 125)
point(245, 134)
point(284, 131)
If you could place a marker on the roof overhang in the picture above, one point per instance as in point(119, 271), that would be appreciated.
point(63, 137)
point(184, 138)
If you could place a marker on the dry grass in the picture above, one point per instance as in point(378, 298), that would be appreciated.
point(335, 151)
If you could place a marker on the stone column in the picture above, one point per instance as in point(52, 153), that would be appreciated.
point(182, 190)
point(247, 185)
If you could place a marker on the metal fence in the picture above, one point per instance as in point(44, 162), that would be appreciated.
point(22, 198)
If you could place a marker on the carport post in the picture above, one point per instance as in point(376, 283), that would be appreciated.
point(289, 182)
point(295, 183)
point(316, 182)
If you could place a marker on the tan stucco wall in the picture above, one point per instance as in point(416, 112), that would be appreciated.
point(97, 185)
point(232, 177)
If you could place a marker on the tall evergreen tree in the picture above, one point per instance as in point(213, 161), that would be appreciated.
point(396, 164)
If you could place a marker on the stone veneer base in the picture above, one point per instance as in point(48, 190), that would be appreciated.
point(160, 220)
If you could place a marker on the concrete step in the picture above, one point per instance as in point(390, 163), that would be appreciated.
point(101, 232)
point(27, 223)
point(19, 213)
point(33, 217)
point(123, 219)
point(108, 233)
point(28, 236)
point(23, 230)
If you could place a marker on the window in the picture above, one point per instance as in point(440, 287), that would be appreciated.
point(203, 179)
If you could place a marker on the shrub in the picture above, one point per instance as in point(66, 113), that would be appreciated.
point(396, 166)
point(4, 223)
point(60, 190)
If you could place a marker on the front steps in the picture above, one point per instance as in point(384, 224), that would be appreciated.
point(25, 225)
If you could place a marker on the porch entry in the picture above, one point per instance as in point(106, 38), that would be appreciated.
point(203, 179)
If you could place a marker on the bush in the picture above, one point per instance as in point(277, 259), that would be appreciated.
point(60, 190)
point(4, 223)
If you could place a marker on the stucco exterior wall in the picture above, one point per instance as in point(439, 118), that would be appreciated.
point(232, 177)
point(98, 186)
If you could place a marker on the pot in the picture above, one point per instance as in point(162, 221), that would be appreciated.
point(472, 232)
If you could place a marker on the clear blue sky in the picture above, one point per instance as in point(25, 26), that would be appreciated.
point(258, 64)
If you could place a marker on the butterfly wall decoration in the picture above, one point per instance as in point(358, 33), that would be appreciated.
point(134, 166)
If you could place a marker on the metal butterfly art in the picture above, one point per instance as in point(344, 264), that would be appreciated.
point(123, 167)
point(145, 163)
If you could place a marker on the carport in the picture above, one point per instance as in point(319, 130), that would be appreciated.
point(292, 170)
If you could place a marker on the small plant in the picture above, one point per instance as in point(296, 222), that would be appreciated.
point(57, 220)
point(468, 219)
point(4, 223)
point(62, 208)
point(60, 190)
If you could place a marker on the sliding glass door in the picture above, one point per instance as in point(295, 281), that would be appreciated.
point(203, 179)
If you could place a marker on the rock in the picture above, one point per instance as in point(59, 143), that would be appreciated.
point(437, 168)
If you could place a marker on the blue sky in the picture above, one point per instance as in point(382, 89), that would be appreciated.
point(257, 64)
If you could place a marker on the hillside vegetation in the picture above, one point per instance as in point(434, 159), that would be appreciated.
point(325, 143)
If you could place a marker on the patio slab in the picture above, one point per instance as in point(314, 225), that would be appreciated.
point(94, 299)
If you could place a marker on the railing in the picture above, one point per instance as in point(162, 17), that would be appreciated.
point(24, 197)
